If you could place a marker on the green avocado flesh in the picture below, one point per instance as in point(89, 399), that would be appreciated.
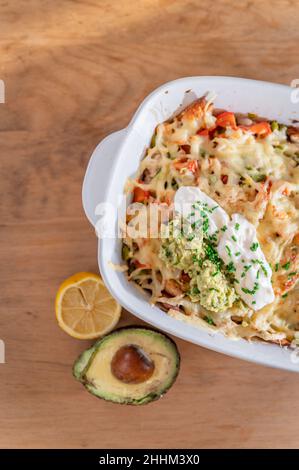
point(93, 368)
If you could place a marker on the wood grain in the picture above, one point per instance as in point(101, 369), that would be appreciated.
point(74, 72)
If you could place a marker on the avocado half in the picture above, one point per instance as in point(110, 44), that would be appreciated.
point(131, 365)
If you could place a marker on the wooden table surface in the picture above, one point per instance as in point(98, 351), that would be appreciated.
point(74, 72)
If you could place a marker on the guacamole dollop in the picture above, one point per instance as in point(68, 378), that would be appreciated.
point(187, 249)
point(211, 289)
point(180, 245)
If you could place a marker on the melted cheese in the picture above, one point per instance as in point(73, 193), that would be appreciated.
point(256, 178)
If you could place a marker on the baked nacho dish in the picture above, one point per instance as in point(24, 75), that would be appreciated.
point(212, 233)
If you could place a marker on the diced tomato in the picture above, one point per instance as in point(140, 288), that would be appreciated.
point(140, 265)
point(185, 277)
point(224, 179)
point(186, 148)
point(203, 132)
point(288, 284)
point(140, 195)
point(191, 165)
point(226, 119)
point(262, 129)
point(179, 164)
point(167, 200)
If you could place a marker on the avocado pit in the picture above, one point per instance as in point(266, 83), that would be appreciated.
point(131, 365)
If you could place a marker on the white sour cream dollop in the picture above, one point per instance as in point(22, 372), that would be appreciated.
point(237, 244)
point(188, 196)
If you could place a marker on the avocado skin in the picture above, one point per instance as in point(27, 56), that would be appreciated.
point(85, 358)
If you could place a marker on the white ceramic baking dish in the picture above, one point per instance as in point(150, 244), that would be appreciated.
point(118, 156)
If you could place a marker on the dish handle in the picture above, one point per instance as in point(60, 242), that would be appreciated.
point(100, 164)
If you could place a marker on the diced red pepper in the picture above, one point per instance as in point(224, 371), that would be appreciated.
point(224, 179)
point(226, 119)
point(140, 195)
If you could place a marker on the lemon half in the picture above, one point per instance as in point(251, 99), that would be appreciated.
point(84, 307)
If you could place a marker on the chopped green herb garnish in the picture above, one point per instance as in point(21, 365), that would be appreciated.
point(195, 224)
point(237, 226)
point(205, 225)
point(258, 274)
point(257, 261)
point(229, 252)
point(231, 267)
point(209, 320)
point(247, 291)
point(212, 254)
point(246, 268)
point(254, 302)
point(254, 246)
point(234, 238)
point(253, 291)
point(292, 274)
point(287, 265)
point(190, 237)
point(284, 296)
point(238, 253)
point(259, 177)
point(276, 267)
point(212, 238)
point(224, 228)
